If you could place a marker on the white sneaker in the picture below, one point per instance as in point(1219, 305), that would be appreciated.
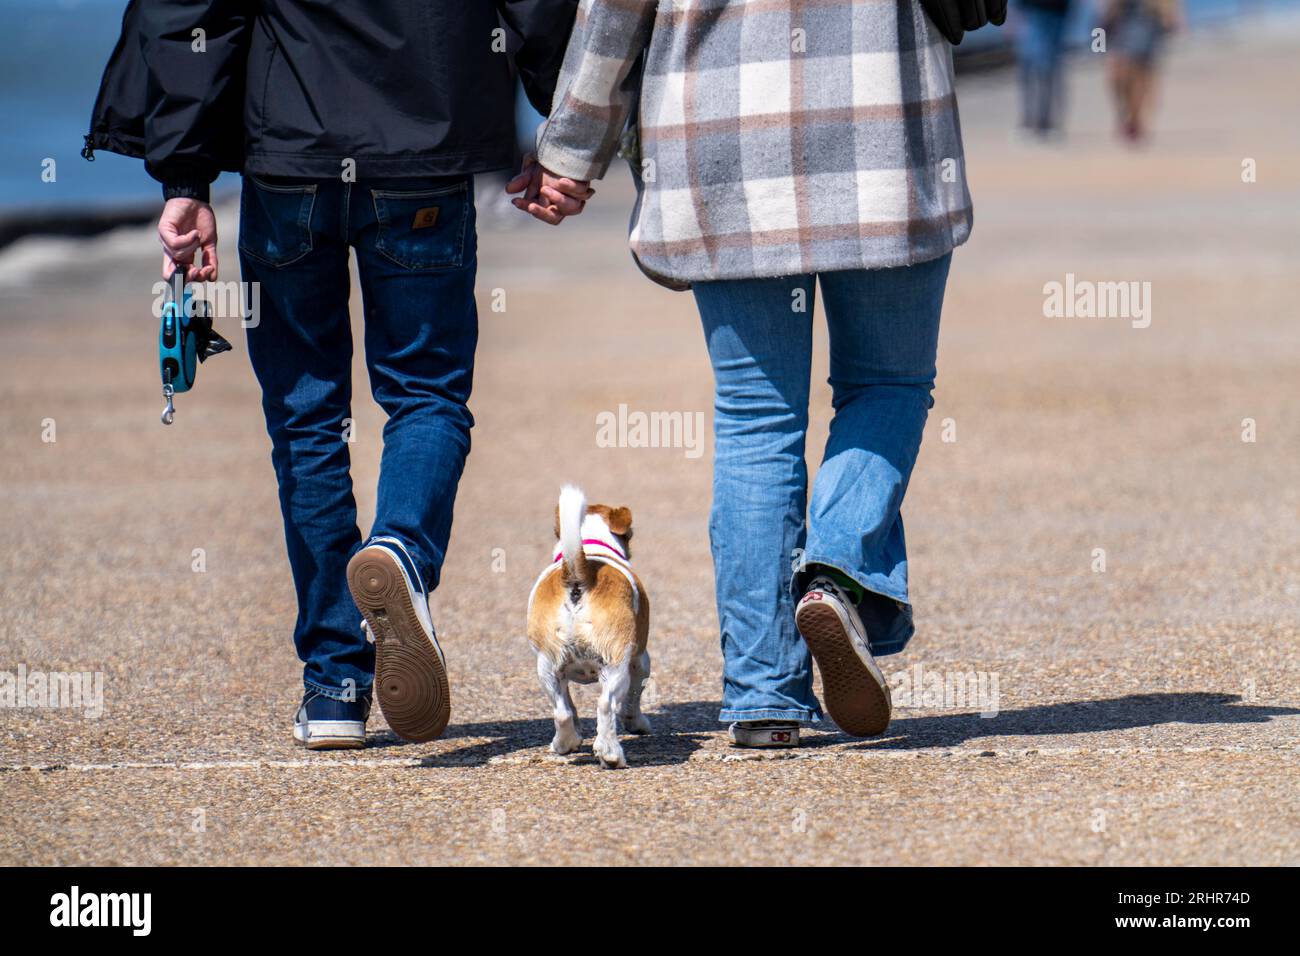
point(857, 696)
point(410, 670)
point(764, 733)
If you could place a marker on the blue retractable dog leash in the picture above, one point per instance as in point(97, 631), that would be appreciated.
point(185, 338)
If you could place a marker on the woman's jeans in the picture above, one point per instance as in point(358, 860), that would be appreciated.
point(884, 330)
point(415, 248)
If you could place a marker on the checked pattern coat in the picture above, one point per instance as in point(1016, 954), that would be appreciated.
point(769, 137)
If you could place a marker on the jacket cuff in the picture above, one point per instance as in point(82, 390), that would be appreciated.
point(186, 189)
point(576, 164)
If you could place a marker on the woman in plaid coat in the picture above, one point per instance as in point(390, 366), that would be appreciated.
point(779, 145)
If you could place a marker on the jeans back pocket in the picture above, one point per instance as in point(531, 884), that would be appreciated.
point(423, 228)
point(275, 221)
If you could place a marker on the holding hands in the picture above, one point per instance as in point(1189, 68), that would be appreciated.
point(546, 196)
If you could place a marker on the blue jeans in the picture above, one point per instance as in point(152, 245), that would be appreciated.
point(415, 248)
point(884, 331)
point(1041, 46)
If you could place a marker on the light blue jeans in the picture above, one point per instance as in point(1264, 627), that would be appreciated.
point(884, 331)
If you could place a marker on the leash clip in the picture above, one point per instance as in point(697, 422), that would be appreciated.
point(169, 413)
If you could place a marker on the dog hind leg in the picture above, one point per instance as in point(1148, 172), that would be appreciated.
point(615, 680)
point(567, 736)
point(634, 721)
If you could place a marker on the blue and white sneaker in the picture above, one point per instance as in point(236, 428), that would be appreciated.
point(410, 671)
point(323, 723)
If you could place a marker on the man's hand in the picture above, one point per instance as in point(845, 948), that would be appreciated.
point(546, 196)
point(186, 226)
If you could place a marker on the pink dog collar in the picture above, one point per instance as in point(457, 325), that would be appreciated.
point(597, 543)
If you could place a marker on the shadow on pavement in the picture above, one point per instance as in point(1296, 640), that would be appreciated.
point(681, 728)
point(1074, 717)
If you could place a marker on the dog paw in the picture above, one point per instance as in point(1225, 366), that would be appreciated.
point(609, 753)
point(635, 723)
point(565, 743)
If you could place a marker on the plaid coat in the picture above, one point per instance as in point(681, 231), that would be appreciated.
point(771, 137)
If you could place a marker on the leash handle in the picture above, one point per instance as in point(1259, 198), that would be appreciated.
point(176, 337)
point(178, 287)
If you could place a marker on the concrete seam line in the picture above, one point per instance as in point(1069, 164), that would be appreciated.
point(449, 760)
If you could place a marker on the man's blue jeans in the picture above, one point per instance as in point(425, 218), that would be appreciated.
point(415, 248)
point(884, 332)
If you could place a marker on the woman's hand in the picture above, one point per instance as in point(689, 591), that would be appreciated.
point(546, 196)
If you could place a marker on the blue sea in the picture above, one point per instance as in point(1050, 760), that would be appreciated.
point(52, 55)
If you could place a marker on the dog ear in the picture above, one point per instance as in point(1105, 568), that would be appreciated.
point(557, 522)
point(620, 520)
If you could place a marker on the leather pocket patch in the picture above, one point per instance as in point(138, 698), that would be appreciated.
point(425, 229)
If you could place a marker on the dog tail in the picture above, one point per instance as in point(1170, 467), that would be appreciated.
point(573, 508)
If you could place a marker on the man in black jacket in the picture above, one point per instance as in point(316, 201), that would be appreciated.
point(356, 126)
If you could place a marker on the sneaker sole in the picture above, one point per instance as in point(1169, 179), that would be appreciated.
point(326, 742)
point(857, 701)
point(744, 744)
point(410, 679)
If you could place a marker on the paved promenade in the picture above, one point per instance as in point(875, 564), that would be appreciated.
point(1147, 713)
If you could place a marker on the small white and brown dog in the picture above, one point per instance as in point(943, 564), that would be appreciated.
point(589, 620)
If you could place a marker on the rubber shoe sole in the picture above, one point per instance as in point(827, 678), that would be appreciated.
point(410, 678)
point(760, 737)
point(856, 698)
point(330, 735)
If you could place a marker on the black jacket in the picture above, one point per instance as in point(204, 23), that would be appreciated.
point(299, 87)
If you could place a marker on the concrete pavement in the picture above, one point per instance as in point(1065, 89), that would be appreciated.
point(1088, 530)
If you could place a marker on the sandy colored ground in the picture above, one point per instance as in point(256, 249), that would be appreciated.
point(1149, 713)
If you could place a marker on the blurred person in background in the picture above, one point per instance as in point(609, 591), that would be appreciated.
point(1040, 49)
point(778, 148)
point(1135, 34)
